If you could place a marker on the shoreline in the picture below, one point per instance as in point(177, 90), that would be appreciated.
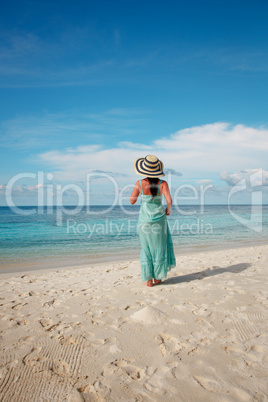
point(56, 264)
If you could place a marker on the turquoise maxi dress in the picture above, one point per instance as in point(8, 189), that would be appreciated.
point(157, 254)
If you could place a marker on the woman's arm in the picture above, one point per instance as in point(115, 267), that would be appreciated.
point(135, 193)
point(165, 191)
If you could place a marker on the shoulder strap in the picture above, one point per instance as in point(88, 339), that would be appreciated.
point(159, 186)
point(141, 187)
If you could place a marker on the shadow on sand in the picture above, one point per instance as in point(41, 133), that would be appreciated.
point(234, 269)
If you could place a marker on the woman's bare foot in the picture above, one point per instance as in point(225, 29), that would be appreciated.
point(156, 281)
point(150, 283)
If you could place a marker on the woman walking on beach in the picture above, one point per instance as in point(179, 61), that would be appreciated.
point(157, 254)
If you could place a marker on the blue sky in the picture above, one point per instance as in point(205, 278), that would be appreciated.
point(89, 86)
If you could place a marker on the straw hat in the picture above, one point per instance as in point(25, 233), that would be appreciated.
point(150, 166)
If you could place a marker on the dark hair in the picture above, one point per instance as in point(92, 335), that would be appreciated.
point(153, 185)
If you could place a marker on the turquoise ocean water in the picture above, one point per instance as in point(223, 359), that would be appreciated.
point(58, 237)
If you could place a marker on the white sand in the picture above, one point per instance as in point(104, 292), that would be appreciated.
point(99, 334)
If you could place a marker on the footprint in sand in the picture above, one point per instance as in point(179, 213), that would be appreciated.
point(61, 368)
point(208, 384)
point(33, 358)
point(46, 322)
point(49, 305)
point(67, 340)
point(115, 349)
point(97, 388)
point(168, 344)
point(203, 311)
point(153, 387)
point(158, 379)
point(109, 370)
point(262, 349)
point(123, 368)
point(112, 343)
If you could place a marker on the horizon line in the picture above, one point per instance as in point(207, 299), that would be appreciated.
point(110, 205)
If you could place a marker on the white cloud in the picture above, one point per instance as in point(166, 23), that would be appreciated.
point(253, 177)
point(230, 179)
point(131, 145)
point(257, 180)
point(197, 152)
point(216, 137)
point(203, 154)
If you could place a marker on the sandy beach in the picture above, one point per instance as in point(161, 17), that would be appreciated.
point(99, 334)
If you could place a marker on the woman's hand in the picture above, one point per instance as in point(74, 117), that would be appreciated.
point(165, 191)
point(168, 212)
